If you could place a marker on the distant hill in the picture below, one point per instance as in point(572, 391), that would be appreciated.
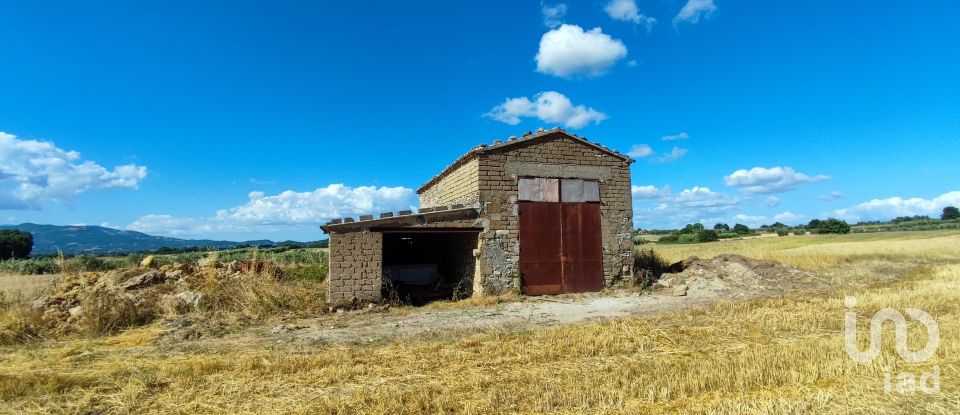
point(99, 240)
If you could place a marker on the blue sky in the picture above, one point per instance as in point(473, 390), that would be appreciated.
point(246, 120)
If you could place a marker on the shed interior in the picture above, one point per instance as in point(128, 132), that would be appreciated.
point(424, 266)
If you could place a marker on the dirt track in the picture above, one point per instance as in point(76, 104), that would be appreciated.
point(727, 277)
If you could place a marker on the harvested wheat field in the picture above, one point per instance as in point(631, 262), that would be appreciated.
point(717, 349)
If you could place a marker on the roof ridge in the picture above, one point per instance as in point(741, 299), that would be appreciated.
point(513, 140)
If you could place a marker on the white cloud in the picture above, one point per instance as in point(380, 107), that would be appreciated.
point(553, 14)
point(691, 12)
point(674, 137)
point(884, 209)
point(549, 106)
point(33, 173)
point(648, 192)
point(626, 10)
point(704, 197)
point(697, 204)
point(639, 151)
point(769, 180)
point(569, 51)
point(834, 195)
point(286, 209)
point(788, 218)
point(673, 155)
point(632, 63)
point(773, 201)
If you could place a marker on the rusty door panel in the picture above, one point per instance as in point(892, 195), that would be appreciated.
point(541, 267)
point(570, 229)
point(591, 248)
point(582, 251)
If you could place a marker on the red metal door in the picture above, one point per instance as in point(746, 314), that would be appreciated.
point(560, 247)
point(541, 267)
point(582, 257)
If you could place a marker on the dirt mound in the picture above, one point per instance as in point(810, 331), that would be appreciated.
point(734, 275)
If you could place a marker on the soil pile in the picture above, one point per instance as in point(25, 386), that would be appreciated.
point(734, 275)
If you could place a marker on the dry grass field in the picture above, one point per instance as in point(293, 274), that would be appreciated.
point(776, 355)
point(13, 285)
point(815, 252)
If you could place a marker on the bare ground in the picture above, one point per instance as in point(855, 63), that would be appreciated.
point(725, 278)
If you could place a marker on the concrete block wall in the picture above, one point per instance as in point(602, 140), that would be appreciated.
point(355, 266)
point(458, 187)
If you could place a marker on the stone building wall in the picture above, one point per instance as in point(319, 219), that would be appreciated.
point(552, 156)
point(355, 266)
point(459, 187)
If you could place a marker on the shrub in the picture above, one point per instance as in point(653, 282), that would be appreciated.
point(688, 238)
point(707, 236)
point(15, 244)
point(669, 239)
point(783, 232)
point(647, 267)
point(949, 213)
point(728, 235)
point(799, 232)
point(30, 266)
point(638, 240)
point(692, 228)
point(741, 229)
point(89, 263)
point(833, 226)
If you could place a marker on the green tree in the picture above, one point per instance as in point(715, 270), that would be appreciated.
point(741, 229)
point(950, 212)
point(15, 244)
point(692, 228)
point(814, 224)
point(721, 227)
point(707, 236)
point(833, 226)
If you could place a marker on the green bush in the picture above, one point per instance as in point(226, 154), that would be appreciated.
point(833, 226)
point(15, 244)
point(692, 228)
point(688, 238)
point(799, 232)
point(647, 267)
point(639, 240)
point(30, 266)
point(707, 236)
point(669, 239)
point(783, 232)
point(741, 229)
point(89, 263)
point(728, 235)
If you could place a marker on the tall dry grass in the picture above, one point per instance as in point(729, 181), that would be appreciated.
point(783, 355)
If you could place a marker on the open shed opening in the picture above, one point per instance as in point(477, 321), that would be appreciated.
point(427, 266)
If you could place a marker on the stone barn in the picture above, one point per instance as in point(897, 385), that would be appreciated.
point(546, 213)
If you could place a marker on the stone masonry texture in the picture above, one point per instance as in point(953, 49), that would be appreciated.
point(488, 181)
